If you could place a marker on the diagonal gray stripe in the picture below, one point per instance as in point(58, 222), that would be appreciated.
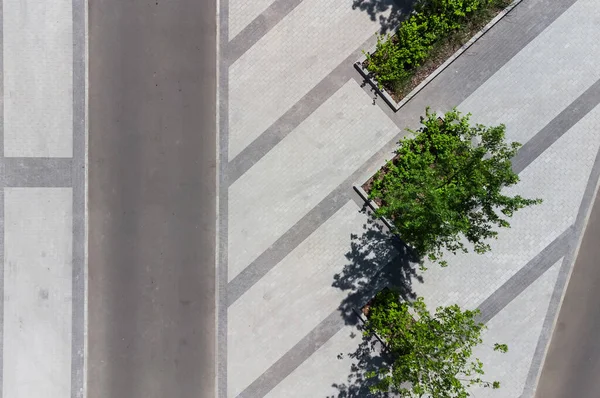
point(561, 283)
point(292, 118)
point(287, 242)
point(295, 356)
point(259, 27)
point(37, 172)
point(557, 127)
point(525, 276)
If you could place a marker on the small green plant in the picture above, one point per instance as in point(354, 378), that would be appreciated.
point(431, 354)
point(396, 57)
point(446, 184)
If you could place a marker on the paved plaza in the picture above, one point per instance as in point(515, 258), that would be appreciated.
point(299, 128)
point(42, 201)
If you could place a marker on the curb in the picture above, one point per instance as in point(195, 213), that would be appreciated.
point(397, 105)
point(361, 192)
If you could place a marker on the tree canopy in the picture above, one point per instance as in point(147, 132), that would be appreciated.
point(446, 184)
point(430, 353)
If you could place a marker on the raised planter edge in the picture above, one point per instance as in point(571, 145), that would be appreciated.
point(397, 105)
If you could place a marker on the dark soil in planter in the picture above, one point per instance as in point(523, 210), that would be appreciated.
point(442, 51)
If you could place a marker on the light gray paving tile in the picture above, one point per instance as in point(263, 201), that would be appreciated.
point(288, 62)
point(543, 78)
point(325, 372)
point(302, 170)
point(519, 326)
point(37, 292)
point(241, 13)
point(288, 302)
point(527, 275)
point(38, 78)
point(259, 27)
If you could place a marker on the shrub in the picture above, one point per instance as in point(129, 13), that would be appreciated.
point(396, 57)
point(446, 183)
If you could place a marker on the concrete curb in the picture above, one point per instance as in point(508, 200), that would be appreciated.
point(397, 105)
point(361, 192)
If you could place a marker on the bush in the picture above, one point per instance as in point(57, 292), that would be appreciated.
point(446, 183)
point(396, 57)
point(431, 353)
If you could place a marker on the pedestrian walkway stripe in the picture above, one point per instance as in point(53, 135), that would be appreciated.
point(255, 30)
point(305, 107)
point(557, 127)
point(295, 356)
point(563, 277)
point(520, 281)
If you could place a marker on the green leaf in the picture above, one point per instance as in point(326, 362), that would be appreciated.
point(445, 188)
point(431, 352)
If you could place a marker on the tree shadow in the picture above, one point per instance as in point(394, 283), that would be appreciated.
point(389, 13)
point(368, 357)
point(376, 259)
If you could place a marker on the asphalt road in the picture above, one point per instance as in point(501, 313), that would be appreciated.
point(152, 198)
point(572, 366)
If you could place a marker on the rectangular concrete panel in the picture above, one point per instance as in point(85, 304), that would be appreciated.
point(289, 61)
point(299, 293)
point(38, 78)
point(302, 170)
point(529, 91)
point(37, 292)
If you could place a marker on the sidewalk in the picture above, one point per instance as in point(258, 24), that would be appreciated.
point(42, 200)
point(300, 251)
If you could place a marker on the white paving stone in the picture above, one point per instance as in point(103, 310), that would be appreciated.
point(292, 299)
point(242, 12)
point(37, 292)
point(311, 161)
point(326, 372)
point(519, 326)
point(543, 78)
point(289, 61)
point(471, 278)
point(38, 78)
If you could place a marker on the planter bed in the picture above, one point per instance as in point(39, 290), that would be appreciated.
point(444, 52)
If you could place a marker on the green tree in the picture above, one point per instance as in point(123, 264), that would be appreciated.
point(446, 183)
point(430, 353)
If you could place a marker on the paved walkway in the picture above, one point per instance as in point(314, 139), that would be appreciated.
point(42, 200)
point(571, 366)
point(298, 130)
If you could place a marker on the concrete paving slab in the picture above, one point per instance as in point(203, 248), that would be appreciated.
point(543, 78)
point(519, 326)
point(288, 302)
point(242, 12)
point(320, 375)
point(288, 62)
point(38, 234)
point(38, 78)
point(311, 162)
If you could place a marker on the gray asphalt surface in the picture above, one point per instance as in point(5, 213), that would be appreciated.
point(572, 366)
point(152, 189)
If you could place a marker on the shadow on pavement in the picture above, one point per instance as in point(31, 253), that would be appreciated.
point(368, 357)
point(376, 259)
point(389, 12)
